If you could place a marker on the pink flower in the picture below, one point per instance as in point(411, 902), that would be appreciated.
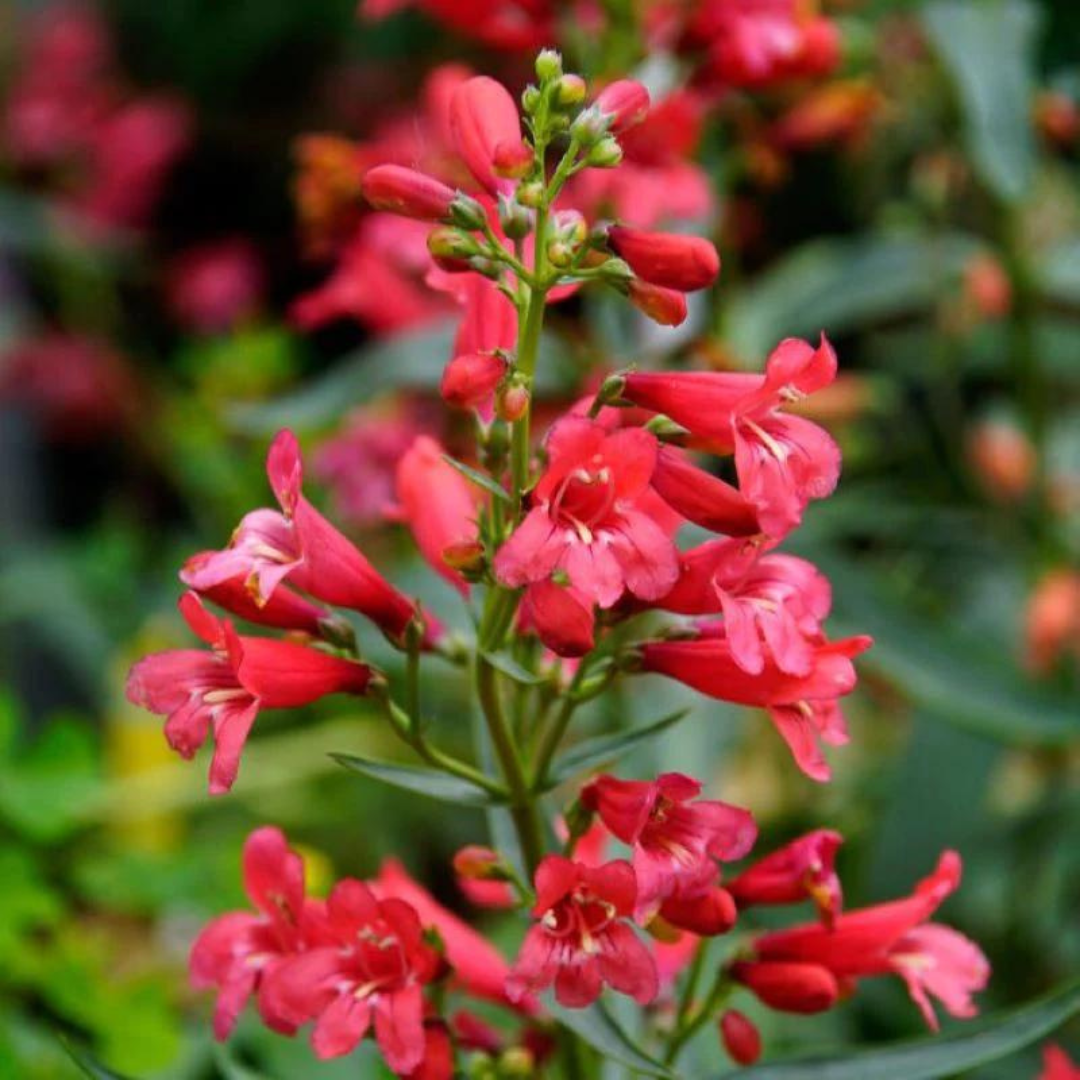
point(702, 498)
point(624, 103)
point(300, 545)
point(892, 938)
point(1057, 1066)
point(236, 951)
point(214, 286)
point(741, 1038)
point(486, 131)
point(407, 192)
point(439, 506)
point(804, 868)
point(668, 260)
point(224, 688)
point(675, 841)
point(583, 939)
point(562, 617)
point(587, 518)
point(803, 707)
point(370, 971)
point(783, 461)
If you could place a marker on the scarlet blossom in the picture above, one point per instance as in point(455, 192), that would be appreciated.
point(664, 306)
point(407, 192)
point(773, 605)
point(676, 840)
point(369, 971)
point(669, 260)
point(741, 1038)
point(582, 939)
point(439, 506)
point(1057, 1065)
point(486, 131)
point(225, 687)
point(623, 104)
point(300, 545)
point(478, 968)
point(783, 461)
point(892, 938)
point(469, 380)
point(236, 951)
point(803, 707)
point(702, 498)
point(587, 518)
point(705, 914)
point(562, 617)
point(286, 609)
point(802, 869)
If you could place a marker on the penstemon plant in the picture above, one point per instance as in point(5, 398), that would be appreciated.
point(570, 542)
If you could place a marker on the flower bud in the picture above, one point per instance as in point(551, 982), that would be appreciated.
point(470, 379)
point(569, 91)
point(1003, 457)
point(548, 65)
point(623, 103)
point(407, 192)
point(707, 915)
point(446, 242)
point(589, 126)
point(663, 306)
point(467, 212)
point(560, 254)
point(466, 556)
point(513, 159)
point(789, 986)
point(512, 404)
point(530, 99)
point(606, 154)
point(515, 219)
point(614, 271)
point(517, 1063)
point(671, 260)
point(741, 1038)
point(476, 863)
point(531, 194)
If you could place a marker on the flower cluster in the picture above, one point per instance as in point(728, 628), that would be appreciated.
point(574, 542)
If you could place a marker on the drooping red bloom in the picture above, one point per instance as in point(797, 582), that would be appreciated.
point(370, 971)
point(676, 841)
point(669, 260)
point(486, 131)
point(583, 938)
point(300, 545)
point(803, 869)
point(236, 951)
point(741, 1038)
point(1057, 1065)
point(562, 617)
point(478, 967)
point(702, 498)
point(783, 461)
point(803, 707)
point(587, 518)
point(439, 506)
point(895, 938)
point(222, 689)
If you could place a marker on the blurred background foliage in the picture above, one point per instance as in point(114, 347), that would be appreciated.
point(938, 243)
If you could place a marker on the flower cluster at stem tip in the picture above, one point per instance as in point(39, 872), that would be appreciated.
point(571, 542)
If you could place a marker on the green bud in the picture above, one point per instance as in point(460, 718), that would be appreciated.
point(480, 1067)
point(560, 254)
point(530, 99)
point(589, 125)
point(531, 194)
point(606, 154)
point(569, 91)
point(517, 1063)
point(447, 242)
point(467, 213)
point(615, 271)
point(548, 65)
point(516, 220)
point(666, 430)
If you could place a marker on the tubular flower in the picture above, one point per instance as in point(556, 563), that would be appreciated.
point(669, 260)
point(299, 544)
point(587, 518)
point(236, 951)
point(486, 131)
point(369, 971)
point(741, 1038)
point(623, 104)
point(675, 840)
point(803, 707)
point(562, 618)
point(407, 192)
point(805, 868)
point(438, 505)
point(583, 939)
point(783, 461)
point(224, 688)
point(893, 938)
point(702, 498)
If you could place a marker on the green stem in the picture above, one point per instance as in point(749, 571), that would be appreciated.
point(721, 988)
point(525, 366)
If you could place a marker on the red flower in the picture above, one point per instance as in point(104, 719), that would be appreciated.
point(664, 306)
point(803, 869)
point(407, 192)
point(669, 260)
point(741, 1038)
point(486, 131)
point(587, 518)
point(892, 938)
point(370, 970)
point(624, 103)
point(299, 544)
point(702, 498)
point(562, 617)
point(783, 461)
point(236, 951)
point(583, 939)
point(224, 688)
point(1057, 1066)
point(803, 707)
point(438, 505)
point(675, 841)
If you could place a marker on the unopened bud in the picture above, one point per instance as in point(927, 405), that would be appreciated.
point(616, 271)
point(624, 103)
point(466, 556)
point(570, 226)
point(606, 154)
point(531, 194)
point(485, 266)
point(666, 430)
point(740, 1037)
point(560, 254)
point(470, 379)
point(517, 1063)
point(611, 389)
point(530, 99)
point(515, 219)
point(477, 863)
point(512, 404)
point(548, 65)
point(664, 306)
point(480, 1067)
point(407, 192)
point(589, 126)
point(467, 212)
point(513, 160)
point(451, 243)
point(569, 91)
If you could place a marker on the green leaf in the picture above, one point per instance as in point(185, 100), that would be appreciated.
point(841, 285)
point(937, 1056)
point(89, 1065)
point(436, 785)
point(988, 51)
point(481, 480)
point(599, 1029)
point(604, 748)
point(1059, 272)
point(511, 668)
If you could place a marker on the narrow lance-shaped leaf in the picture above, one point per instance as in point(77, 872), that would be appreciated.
point(436, 785)
point(598, 1028)
point(88, 1064)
